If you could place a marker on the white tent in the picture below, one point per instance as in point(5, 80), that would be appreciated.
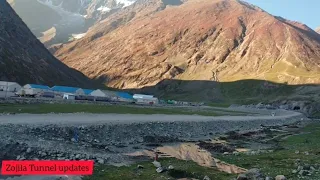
point(34, 89)
point(103, 93)
point(9, 86)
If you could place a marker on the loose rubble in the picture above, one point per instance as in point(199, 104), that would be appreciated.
point(102, 142)
point(305, 170)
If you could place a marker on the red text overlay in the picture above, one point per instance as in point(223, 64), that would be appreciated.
point(47, 167)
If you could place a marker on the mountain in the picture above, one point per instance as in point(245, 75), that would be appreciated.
point(59, 21)
point(24, 59)
point(318, 30)
point(38, 16)
point(217, 40)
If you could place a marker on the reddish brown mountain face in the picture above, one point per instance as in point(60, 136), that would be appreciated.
point(221, 40)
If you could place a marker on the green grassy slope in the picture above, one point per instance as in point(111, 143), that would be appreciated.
point(284, 160)
point(183, 169)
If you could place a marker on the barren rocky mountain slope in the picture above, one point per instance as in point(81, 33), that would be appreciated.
point(25, 60)
point(318, 30)
point(219, 40)
point(37, 16)
point(59, 21)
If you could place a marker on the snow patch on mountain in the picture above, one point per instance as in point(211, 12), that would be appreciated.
point(125, 3)
point(82, 5)
point(103, 9)
point(71, 22)
point(79, 36)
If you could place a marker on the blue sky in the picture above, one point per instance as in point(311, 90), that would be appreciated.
point(304, 11)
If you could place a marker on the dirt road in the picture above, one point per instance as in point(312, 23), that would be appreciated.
point(87, 119)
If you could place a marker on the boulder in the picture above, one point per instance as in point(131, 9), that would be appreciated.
point(303, 173)
point(156, 164)
point(206, 178)
point(78, 156)
point(100, 161)
point(306, 167)
point(236, 153)
point(160, 170)
point(281, 177)
point(254, 174)
point(294, 171)
point(242, 177)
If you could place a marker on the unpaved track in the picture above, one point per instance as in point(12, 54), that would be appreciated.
point(87, 119)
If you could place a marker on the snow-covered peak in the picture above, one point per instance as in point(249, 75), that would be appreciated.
point(108, 5)
point(81, 6)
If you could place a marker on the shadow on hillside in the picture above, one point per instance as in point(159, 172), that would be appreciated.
point(243, 91)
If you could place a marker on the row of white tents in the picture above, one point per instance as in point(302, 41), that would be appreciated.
point(65, 92)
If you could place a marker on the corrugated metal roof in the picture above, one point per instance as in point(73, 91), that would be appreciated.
point(142, 96)
point(87, 91)
point(65, 89)
point(124, 95)
point(37, 86)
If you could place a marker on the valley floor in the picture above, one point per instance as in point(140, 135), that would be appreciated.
point(108, 139)
point(290, 150)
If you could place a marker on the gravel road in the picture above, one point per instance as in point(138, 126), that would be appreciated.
point(87, 119)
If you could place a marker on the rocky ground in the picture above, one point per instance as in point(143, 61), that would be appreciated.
point(273, 152)
point(106, 138)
